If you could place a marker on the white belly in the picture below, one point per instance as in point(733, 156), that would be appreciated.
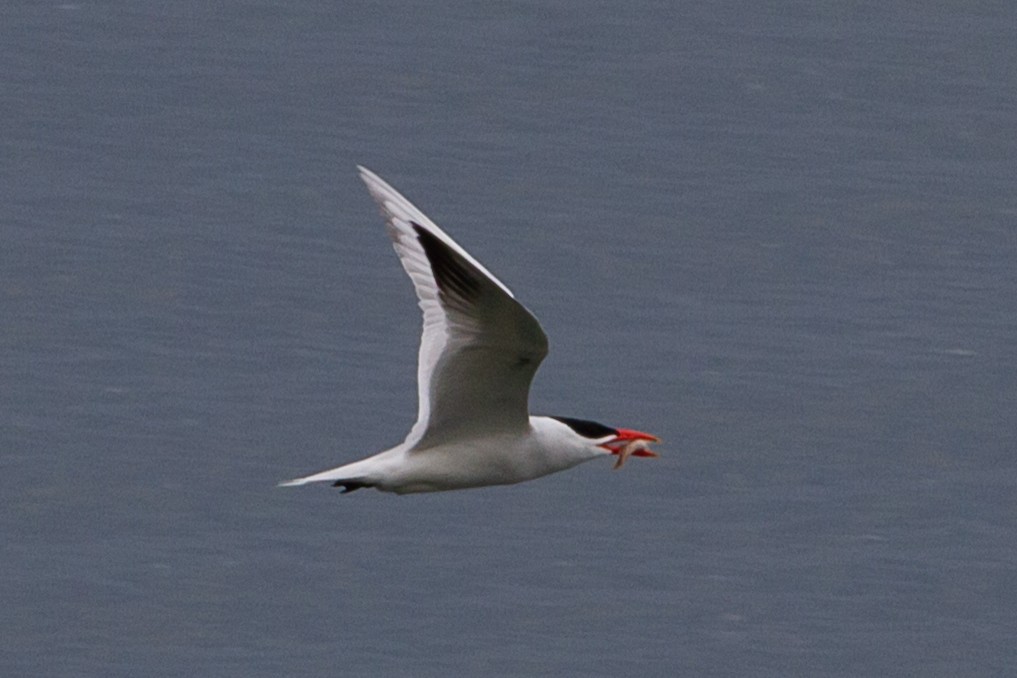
point(490, 461)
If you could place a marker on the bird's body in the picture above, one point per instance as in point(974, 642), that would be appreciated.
point(474, 461)
point(478, 354)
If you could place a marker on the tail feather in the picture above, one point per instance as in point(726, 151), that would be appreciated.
point(369, 472)
point(348, 484)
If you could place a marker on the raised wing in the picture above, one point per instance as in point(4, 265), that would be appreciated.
point(480, 347)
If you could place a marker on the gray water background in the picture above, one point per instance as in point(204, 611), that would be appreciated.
point(781, 236)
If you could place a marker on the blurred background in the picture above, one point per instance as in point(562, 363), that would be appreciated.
point(780, 236)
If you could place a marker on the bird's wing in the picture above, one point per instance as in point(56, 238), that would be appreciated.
point(480, 347)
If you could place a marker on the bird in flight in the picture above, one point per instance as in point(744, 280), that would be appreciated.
point(479, 351)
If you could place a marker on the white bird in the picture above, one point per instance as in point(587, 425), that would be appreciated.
point(479, 351)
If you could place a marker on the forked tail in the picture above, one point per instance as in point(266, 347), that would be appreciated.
point(348, 484)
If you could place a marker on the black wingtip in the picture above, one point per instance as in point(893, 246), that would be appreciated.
point(350, 485)
point(454, 274)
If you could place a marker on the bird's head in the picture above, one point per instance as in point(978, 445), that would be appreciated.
point(623, 442)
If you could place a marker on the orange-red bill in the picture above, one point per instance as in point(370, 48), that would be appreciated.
point(631, 443)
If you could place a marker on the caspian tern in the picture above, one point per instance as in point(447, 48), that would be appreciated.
point(479, 351)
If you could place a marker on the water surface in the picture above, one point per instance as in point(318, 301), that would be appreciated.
point(781, 240)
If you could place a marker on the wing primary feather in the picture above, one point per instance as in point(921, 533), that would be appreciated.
point(351, 485)
point(475, 334)
point(453, 274)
